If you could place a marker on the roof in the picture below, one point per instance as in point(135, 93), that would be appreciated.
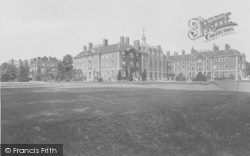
point(207, 54)
point(106, 49)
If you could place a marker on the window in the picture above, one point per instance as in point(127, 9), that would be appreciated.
point(123, 63)
point(192, 61)
point(107, 56)
point(207, 67)
point(137, 64)
point(123, 53)
point(107, 64)
point(220, 74)
point(215, 74)
point(192, 67)
point(199, 67)
point(220, 66)
point(226, 58)
point(183, 68)
point(187, 62)
point(183, 62)
point(187, 68)
point(207, 60)
point(131, 64)
point(111, 63)
point(214, 67)
point(199, 60)
point(220, 59)
point(214, 60)
point(226, 74)
point(131, 55)
point(226, 66)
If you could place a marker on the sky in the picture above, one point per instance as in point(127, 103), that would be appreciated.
point(32, 28)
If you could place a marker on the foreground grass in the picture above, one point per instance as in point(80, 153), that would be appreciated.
point(199, 124)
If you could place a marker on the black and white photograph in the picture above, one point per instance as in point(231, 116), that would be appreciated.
point(125, 78)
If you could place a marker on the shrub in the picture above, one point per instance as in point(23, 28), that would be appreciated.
point(131, 76)
point(144, 75)
point(200, 77)
point(100, 79)
point(119, 76)
point(180, 77)
point(220, 78)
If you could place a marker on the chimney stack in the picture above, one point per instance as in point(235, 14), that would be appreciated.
point(192, 51)
point(227, 46)
point(104, 42)
point(183, 52)
point(137, 44)
point(121, 40)
point(84, 48)
point(215, 47)
point(168, 54)
point(127, 40)
point(90, 45)
point(175, 53)
point(159, 47)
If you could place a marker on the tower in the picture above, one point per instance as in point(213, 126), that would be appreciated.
point(143, 39)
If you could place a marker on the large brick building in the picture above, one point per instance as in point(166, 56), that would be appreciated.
point(215, 63)
point(106, 61)
point(46, 65)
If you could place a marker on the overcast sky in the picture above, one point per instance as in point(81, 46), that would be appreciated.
point(32, 28)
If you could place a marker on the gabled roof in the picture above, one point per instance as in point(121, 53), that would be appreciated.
point(106, 49)
point(207, 54)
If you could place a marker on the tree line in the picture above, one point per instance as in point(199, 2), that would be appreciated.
point(63, 71)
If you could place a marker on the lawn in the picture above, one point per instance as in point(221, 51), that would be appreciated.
point(128, 121)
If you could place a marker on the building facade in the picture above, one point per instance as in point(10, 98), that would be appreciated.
point(106, 61)
point(154, 60)
point(213, 64)
point(47, 67)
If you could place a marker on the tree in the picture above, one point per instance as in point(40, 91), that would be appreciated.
point(39, 74)
point(247, 68)
point(60, 71)
point(200, 77)
point(65, 68)
point(126, 74)
point(119, 76)
point(130, 76)
point(180, 77)
point(8, 72)
point(23, 75)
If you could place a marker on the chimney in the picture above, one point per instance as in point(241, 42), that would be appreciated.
point(175, 53)
point(121, 40)
point(168, 54)
point(192, 51)
point(215, 47)
point(137, 44)
point(159, 47)
point(84, 48)
point(227, 46)
point(104, 42)
point(183, 52)
point(90, 45)
point(127, 40)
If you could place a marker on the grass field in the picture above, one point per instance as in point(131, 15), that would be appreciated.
point(128, 121)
